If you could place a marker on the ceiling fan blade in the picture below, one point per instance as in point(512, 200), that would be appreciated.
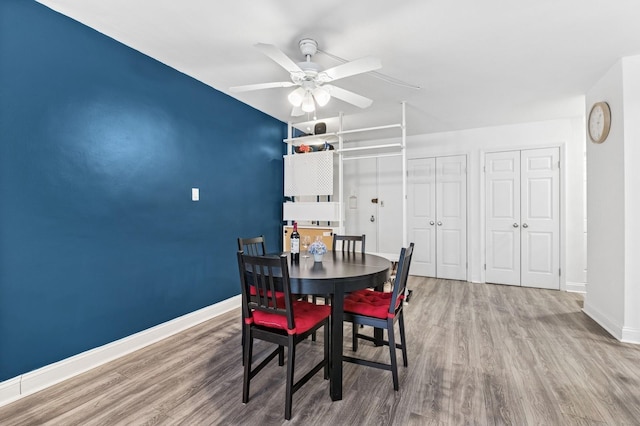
point(348, 69)
point(348, 96)
point(279, 57)
point(260, 86)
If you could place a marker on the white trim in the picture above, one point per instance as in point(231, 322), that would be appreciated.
point(10, 391)
point(36, 380)
point(630, 335)
point(572, 287)
point(605, 322)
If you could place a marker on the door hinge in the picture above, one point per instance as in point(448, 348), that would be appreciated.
point(484, 169)
point(559, 272)
point(558, 164)
point(485, 266)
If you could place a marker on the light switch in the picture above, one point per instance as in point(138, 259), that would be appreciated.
point(195, 194)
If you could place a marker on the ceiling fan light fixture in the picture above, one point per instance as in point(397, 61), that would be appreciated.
point(308, 105)
point(321, 96)
point(296, 97)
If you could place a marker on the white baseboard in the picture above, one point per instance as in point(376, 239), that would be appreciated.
point(9, 391)
point(630, 335)
point(33, 381)
point(604, 321)
point(575, 287)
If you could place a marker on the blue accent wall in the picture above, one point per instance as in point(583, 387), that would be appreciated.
point(100, 146)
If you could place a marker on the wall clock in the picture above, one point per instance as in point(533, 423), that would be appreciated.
point(599, 122)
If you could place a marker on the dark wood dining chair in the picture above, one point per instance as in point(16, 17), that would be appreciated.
point(254, 246)
point(381, 310)
point(286, 324)
point(348, 243)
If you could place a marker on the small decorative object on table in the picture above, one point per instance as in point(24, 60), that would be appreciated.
point(317, 249)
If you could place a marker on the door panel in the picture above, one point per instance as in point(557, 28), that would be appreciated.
point(451, 217)
point(389, 217)
point(450, 248)
point(375, 183)
point(362, 178)
point(540, 218)
point(502, 171)
point(421, 215)
point(502, 249)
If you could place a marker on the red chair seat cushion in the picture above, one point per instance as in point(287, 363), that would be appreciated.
point(305, 316)
point(369, 303)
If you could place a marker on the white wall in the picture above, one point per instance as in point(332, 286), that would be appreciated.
point(568, 134)
point(631, 85)
point(605, 210)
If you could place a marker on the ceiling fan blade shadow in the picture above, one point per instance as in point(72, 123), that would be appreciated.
point(348, 96)
point(297, 111)
point(260, 86)
point(348, 69)
point(279, 57)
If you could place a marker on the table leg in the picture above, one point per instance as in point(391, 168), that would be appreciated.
point(378, 333)
point(337, 310)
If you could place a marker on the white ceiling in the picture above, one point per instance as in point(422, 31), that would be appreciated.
point(478, 62)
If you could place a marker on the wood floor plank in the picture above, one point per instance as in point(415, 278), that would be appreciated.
point(479, 354)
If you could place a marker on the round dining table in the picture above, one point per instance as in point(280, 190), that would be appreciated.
point(336, 275)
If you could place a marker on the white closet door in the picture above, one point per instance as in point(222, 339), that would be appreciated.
point(502, 179)
point(421, 215)
point(540, 227)
point(523, 218)
point(389, 205)
point(451, 217)
point(361, 182)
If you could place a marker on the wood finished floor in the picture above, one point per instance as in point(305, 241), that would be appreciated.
point(478, 354)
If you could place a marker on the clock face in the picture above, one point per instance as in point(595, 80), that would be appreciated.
point(599, 122)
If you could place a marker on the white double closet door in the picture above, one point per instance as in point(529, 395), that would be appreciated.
point(522, 218)
point(437, 216)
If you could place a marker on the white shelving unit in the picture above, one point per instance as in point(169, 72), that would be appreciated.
point(299, 167)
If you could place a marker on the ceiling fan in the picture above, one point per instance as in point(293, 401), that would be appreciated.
point(313, 83)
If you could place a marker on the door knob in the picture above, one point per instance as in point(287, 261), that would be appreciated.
point(439, 223)
point(524, 225)
point(432, 223)
point(372, 219)
point(515, 225)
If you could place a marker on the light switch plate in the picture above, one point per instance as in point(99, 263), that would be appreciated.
point(195, 194)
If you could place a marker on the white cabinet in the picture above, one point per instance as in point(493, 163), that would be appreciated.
point(523, 218)
point(437, 216)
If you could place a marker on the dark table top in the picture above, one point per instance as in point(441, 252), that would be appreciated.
point(338, 272)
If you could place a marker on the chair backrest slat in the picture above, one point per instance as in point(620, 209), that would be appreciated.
point(254, 246)
point(348, 242)
point(402, 275)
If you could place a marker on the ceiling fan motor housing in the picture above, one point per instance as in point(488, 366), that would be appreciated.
point(308, 46)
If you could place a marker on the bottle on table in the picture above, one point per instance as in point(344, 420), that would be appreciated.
point(295, 243)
